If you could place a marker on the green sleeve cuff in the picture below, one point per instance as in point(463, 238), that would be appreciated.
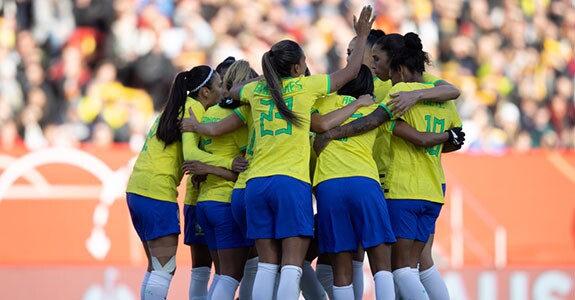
point(437, 81)
point(392, 126)
point(386, 109)
point(241, 91)
point(315, 110)
point(239, 114)
point(328, 85)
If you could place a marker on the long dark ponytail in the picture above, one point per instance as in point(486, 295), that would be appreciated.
point(277, 63)
point(361, 85)
point(188, 81)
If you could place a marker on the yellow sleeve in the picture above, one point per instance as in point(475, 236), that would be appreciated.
point(242, 112)
point(318, 85)
point(431, 79)
point(246, 92)
point(191, 142)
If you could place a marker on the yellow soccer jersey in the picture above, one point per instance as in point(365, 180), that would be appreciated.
point(380, 89)
point(244, 112)
point(381, 147)
point(229, 145)
point(191, 140)
point(158, 169)
point(416, 172)
point(350, 156)
point(282, 148)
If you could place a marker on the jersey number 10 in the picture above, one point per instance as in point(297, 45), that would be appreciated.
point(437, 125)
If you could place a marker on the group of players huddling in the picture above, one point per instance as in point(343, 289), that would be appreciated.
point(372, 135)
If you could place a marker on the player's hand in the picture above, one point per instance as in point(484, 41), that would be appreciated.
point(239, 164)
point(456, 136)
point(189, 124)
point(365, 100)
point(197, 180)
point(401, 102)
point(321, 141)
point(195, 167)
point(363, 24)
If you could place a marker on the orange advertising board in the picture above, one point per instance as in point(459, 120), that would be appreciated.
point(508, 226)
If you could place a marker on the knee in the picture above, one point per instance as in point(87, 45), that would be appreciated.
point(342, 276)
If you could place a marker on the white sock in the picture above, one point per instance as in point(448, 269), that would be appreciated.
point(358, 279)
point(276, 286)
point(324, 274)
point(289, 283)
point(409, 285)
point(434, 284)
point(144, 283)
point(265, 281)
point(158, 284)
point(247, 283)
point(226, 288)
point(199, 283)
point(384, 287)
point(213, 286)
point(343, 292)
point(310, 286)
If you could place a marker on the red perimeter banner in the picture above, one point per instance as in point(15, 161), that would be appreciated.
point(508, 226)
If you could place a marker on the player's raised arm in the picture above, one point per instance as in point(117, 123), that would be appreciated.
point(362, 27)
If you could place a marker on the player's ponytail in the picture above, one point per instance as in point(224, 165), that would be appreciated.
point(185, 82)
point(361, 85)
point(276, 64)
point(168, 128)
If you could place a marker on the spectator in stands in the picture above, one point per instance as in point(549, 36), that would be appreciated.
point(499, 53)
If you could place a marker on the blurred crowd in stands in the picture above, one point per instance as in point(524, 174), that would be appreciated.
point(98, 71)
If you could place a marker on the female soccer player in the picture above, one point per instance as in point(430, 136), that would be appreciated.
point(278, 193)
point(193, 234)
point(351, 205)
point(442, 91)
point(414, 201)
point(324, 270)
point(224, 235)
point(152, 188)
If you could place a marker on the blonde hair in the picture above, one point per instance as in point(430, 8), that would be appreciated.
point(239, 71)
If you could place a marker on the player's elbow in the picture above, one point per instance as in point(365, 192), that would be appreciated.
point(454, 92)
point(319, 125)
point(319, 128)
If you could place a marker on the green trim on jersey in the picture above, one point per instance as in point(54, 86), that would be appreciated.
point(240, 115)
point(386, 109)
point(392, 126)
